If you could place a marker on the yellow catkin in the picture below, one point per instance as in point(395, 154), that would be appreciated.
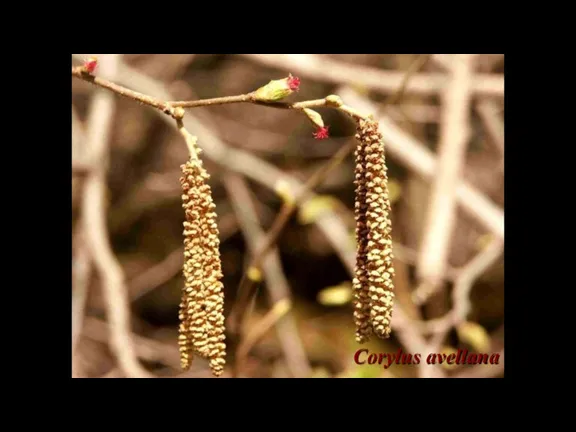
point(378, 258)
point(213, 287)
point(202, 307)
point(361, 300)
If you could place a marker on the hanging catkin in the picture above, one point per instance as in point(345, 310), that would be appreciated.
point(360, 282)
point(373, 284)
point(202, 306)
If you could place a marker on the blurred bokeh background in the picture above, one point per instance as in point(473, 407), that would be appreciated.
point(442, 119)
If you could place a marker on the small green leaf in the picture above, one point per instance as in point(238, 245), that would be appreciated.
point(313, 208)
point(336, 295)
point(474, 335)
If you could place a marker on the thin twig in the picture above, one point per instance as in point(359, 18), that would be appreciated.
point(463, 285)
point(441, 218)
point(443, 60)
point(414, 113)
point(156, 275)
point(80, 169)
point(81, 264)
point(467, 277)
point(188, 138)
point(78, 153)
point(170, 107)
point(148, 349)
point(412, 69)
point(214, 101)
point(488, 112)
point(277, 285)
point(94, 220)
point(249, 98)
point(273, 317)
point(81, 272)
point(78, 72)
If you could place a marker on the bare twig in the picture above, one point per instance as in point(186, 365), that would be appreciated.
point(81, 264)
point(415, 113)
point(336, 72)
point(147, 349)
point(80, 169)
point(78, 72)
point(411, 338)
point(158, 274)
point(115, 372)
point(81, 270)
point(188, 138)
point(277, 285)
point(171, 107)
point(468, 275)
point(78, 153)
point(150, 350)
point(488, 111)
point(464, 282)
point(94, 219)
point(408, 75)
point(214, 101)
point(443, 60)
point(441, 219)
point(259, 330)
point(332, 102)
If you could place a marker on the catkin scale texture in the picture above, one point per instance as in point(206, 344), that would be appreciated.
point(373, 284)
point(202, 307)
point(361, 300)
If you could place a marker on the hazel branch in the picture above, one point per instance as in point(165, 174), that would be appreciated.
point(169, 107)
point(188, 138)
point(214, 101)
point(80, 72)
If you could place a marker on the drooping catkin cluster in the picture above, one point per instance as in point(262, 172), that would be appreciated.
point(202, 307)
point(373, 285)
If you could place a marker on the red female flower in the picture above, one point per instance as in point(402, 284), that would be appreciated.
point(90, 64)
point(321, 133)
point(293, 82)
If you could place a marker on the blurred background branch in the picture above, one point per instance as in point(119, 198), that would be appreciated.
point(276, 283)
point(99, 121)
